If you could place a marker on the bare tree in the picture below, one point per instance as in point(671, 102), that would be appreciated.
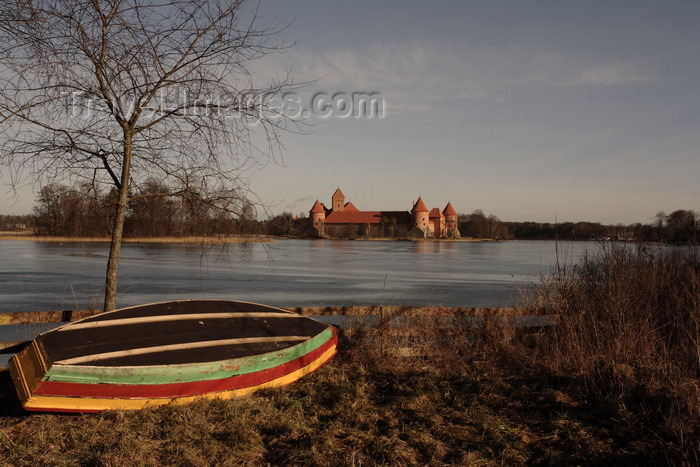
point(13, 15)
point(126, 91)
point(14, 18)
point(70, 211)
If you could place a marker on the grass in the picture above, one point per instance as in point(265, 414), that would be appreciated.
point(346, 414)
point(615, 383)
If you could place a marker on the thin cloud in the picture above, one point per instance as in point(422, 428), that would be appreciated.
point(420, 75)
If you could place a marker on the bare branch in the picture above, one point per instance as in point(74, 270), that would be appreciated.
point(121, 92)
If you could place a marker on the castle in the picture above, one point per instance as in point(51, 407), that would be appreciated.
point(345, 220)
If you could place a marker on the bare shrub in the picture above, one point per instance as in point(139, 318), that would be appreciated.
point(409, 339)
point(629, 328)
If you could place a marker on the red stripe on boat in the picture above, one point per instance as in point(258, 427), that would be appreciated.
point(192, 388)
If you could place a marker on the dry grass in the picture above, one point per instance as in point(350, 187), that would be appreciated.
point(629, 333)
point(404, 339)
point(345, 414)
point(31, 317)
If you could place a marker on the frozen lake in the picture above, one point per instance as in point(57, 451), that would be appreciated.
point(36, 276)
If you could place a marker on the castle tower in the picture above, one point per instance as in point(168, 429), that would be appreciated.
point(338, 201)
point(419, 215)
point(451, 221)
point(437, 220)
point(318, 217)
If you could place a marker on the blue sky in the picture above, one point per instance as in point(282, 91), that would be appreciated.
point(529, 110)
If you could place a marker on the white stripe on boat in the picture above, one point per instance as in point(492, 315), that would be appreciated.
point(183, 317)
point(171, 347)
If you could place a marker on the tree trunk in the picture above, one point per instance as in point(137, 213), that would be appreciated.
point(115, 246)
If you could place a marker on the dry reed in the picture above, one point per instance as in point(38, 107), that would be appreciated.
point(629, 331)
point(402, 340)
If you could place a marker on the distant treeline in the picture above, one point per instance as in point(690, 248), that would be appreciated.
point(82, 212)
point(154, 212)
point(16, 223)
point(681, 226)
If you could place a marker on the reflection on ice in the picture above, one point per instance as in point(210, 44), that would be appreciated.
point(47, 276)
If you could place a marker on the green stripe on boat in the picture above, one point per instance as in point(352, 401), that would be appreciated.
point(184, 373)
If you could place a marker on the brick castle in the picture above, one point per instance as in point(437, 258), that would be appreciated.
point(344, 219)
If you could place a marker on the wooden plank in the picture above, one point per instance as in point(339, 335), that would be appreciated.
point(172, 347)
point(169, 318)
point(178, 307)
point(28, 372)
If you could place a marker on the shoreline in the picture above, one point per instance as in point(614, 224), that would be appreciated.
point(199, 239)
point(208, 240)
point(69, 315)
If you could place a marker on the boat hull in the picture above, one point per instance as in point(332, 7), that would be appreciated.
point(170, 352)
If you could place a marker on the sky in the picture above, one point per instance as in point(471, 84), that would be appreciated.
point(528, 110)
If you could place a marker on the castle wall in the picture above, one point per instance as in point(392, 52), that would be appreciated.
point(346, 221)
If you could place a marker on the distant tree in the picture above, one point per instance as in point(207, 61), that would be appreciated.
point(16, 222)
point(59, 211)
point(194, 216)
point(531, 230)
point(247, 220)
point(495, 228)
point(478, 225)
point(474, 224)
point(281, 225)
point(681, 226)
point(48, 216)
point(660, 220)
point(123, 91)
point(152, 212)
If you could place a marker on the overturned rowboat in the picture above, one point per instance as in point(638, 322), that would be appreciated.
point(167, 352)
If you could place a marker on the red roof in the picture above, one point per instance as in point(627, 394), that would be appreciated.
point(435, 213)
point(318, 207)
point(419, 206)
point(351, 207)
point(449, 210)
point(338, 192)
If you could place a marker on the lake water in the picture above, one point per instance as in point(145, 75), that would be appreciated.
point(36, 276)
point(39, 276)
